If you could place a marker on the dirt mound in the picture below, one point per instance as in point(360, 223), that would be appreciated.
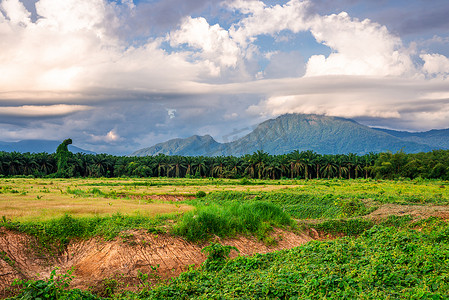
point(416, 211)
point(19, 259)
point(94, 260)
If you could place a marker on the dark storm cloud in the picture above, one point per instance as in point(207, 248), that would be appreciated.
point(404, 17)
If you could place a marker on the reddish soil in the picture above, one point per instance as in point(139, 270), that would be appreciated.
point(96, 259)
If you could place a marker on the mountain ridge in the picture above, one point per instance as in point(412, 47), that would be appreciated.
point(38, 146)
point(289, 132)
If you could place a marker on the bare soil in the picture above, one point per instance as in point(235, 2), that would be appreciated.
point(161, 255)
point(416, 211)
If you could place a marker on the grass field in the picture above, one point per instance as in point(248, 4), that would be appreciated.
point(24, 199)
point(57, 210)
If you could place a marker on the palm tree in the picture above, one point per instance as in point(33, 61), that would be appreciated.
point(306, 159)
point(317, 161)
point(295, 163)
point(29, 164)
point(249, 165)
point(358, 166)
point(351, 162)
point(199, 166)
point(218, 166)
point(329, 168)
point(259, 159)
point(177, 164)
point(14, 163)
point(233, 166)
point(341, 160)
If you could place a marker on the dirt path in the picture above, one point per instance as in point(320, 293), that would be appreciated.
point(134, 251)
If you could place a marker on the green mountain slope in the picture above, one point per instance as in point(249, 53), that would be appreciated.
point(192, 146)
point(322, 134)
point(436, 138)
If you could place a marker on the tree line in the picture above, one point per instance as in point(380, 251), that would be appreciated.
point(260, 165)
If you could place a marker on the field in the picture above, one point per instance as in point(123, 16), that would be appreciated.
point(124, 238)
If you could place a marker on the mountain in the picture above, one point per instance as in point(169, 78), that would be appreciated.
point(191, 146)
point(435, 138)
point(322, 134)
point(38, 146)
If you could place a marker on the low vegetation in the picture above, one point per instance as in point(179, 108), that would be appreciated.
point(367, 258)
point(254, 218)
point(384, 262)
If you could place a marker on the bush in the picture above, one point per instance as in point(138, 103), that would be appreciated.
point(351, 207)
point(200, 194)
point(226, 221)
point(217, 255)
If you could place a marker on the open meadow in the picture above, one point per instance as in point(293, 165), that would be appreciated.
point(133, 238)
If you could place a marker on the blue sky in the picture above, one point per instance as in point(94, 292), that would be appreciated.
point(116, 76)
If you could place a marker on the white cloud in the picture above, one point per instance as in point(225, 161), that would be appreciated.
point(268, 20)
point(15, 11)
point(171, 113)
point(435, 64)
point(110, 137)
point(42, 110)
point(407, 101)
point(213, 42)
point(76, 52)
point(359, 48)
point(72, 47)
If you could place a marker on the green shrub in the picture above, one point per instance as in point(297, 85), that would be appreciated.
point(351, 207)
point(226, 221)
point(200, 194)
point(217, 255)
point(54, 288)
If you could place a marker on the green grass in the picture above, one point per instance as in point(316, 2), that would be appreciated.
point(298, 205)
point(56, 233)
point(256, 218)
point(383, 263)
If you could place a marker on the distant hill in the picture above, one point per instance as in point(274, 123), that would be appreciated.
point(435, 138)
point(322, 134)
point(188, 147)
point(38, 146)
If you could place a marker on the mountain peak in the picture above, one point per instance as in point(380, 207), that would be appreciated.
point(289, 132)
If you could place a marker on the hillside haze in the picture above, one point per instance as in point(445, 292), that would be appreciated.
point(37, 146)
point(284, 134)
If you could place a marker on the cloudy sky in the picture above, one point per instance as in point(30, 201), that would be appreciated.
point(116, 76)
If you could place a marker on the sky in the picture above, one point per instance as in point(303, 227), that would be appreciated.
point(117, 76)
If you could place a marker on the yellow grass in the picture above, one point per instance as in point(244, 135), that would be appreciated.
point(44, 199)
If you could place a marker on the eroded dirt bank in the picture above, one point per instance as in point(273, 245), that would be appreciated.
point(122, 259)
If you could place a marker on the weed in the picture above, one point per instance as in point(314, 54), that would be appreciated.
point(200, 194)
point(217, 255)
point(225, 221)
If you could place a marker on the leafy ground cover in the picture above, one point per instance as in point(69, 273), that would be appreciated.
point(404, 261)
point(396, 257)
point(382, 263)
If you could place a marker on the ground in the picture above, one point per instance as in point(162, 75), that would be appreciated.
point(160, 254)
